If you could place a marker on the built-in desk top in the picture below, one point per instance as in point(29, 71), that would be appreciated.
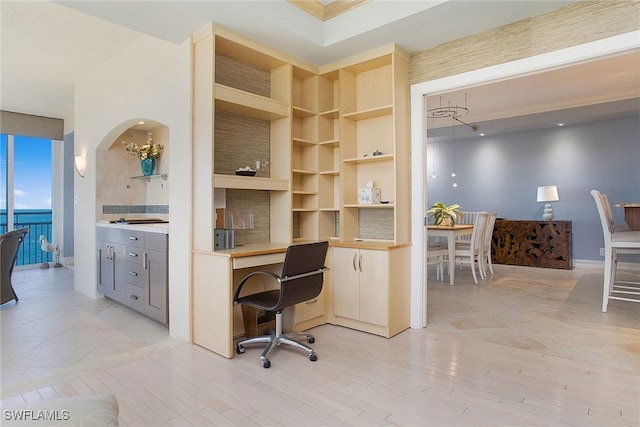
point(249, 249)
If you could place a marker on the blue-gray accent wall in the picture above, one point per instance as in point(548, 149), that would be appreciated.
point(67, 180)
point(502, 173)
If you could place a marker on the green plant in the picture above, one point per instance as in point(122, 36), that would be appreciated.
point(440, 213)
point(150, 150)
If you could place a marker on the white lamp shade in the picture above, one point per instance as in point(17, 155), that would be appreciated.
point(81, 165)
point(548, 193)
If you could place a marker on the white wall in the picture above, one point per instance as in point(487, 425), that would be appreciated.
point(148, 80)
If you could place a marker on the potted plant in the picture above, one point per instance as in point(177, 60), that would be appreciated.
point(444, 215)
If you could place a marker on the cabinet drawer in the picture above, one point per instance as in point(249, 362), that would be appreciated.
point(136, 275)
point(133, 238)
point(135, 297)
point(134, 254)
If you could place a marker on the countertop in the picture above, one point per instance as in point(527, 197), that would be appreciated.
point(149, 228)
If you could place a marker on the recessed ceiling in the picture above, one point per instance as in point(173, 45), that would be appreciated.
point(592, 91)
point(48, 46)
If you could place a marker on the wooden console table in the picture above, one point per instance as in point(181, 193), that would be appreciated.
point(532, 243)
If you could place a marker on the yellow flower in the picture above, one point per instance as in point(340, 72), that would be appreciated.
point(150, 150)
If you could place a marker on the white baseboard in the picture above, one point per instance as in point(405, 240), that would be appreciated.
point(589, 263)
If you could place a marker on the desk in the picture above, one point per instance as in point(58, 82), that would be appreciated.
point(631, 215)
point(450, 232)
point(215, 276)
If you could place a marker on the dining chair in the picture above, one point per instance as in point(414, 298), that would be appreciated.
point(437, 255)
point(467, 218)
point(471, 252)
point(615, 243)
point(487, 238)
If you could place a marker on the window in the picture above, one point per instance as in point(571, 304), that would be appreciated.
point(25, 192)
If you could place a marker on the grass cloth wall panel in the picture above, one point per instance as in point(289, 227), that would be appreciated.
point(578, 23)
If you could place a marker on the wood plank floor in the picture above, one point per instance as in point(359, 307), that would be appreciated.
point(524, 347)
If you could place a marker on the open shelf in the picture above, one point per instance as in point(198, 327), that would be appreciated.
point(371, 206)
point(162, 175)
point(370, 113)
point(369, 159)
point(249, 183)
point(247, 104)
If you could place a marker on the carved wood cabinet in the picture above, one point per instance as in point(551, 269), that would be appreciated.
point(532, 243)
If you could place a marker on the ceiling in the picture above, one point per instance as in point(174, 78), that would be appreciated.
point(47, 46)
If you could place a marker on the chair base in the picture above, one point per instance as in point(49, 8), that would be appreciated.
point(274, 340)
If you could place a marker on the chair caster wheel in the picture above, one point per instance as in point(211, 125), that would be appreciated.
point(266, 363)
point(311, 340)
point(240, 349)
point(313, 357)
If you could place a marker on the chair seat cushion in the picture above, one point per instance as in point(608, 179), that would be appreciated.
point(266, 300)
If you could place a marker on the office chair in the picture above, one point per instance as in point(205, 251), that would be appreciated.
point(9, 244)
point(301, 279)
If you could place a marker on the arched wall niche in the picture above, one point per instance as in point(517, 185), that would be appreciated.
point(121, 191)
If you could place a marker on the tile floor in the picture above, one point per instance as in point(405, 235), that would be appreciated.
point(524, 347)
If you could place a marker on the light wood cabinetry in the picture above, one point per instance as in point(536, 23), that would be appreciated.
point(371, 289)
point(318, 128)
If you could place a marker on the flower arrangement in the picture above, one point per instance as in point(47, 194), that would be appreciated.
point(150, 150)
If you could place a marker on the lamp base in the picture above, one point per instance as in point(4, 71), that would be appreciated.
point(548, 212)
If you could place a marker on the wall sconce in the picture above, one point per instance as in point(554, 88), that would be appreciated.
point(81, 165)
point(548, 194)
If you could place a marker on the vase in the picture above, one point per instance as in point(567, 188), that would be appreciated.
point(148, 166)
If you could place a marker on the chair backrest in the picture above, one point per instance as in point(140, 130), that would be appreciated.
point(477, 235)
point(606, 217)
point(9, 245)
point(467, 218)
point(302, 260)
point(488, 229)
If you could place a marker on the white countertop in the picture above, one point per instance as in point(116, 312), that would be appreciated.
point(150, 228)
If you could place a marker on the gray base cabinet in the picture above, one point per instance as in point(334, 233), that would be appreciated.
point(133, 270)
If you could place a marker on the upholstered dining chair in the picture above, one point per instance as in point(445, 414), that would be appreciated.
point(615, 243)
point(301, 279)
point(9, 244)
point(471, 252)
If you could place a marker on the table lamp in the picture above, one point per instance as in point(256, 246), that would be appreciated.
point(548, 193)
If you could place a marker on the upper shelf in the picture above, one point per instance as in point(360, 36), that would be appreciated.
point(249, 183)
point(247, 104)
point(371, 113)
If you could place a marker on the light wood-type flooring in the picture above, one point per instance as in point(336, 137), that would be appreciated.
point(525, 347)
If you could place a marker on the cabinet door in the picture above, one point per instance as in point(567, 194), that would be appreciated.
point(374, 287)
point(345, 282)
point(105, 268)
point(119, 259)
point(156, 297)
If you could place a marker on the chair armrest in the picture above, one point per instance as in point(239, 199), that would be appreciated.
point(236, 294)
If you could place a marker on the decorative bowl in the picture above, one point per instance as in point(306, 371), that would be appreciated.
point(242, 172)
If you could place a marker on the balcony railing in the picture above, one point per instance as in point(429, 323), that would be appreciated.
point(39, 224)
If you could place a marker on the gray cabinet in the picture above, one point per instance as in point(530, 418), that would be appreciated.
point(132, 269)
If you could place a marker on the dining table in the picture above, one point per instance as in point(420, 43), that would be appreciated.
point(631, 215)
point(450, 232)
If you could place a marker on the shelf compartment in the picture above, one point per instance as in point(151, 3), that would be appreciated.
point(302, 112)
point(371, 206)
point(249, 183)
point(369, 159)
point(248, 104)
point(332, 114)
point(302, 142)
point(370, 113)
point(303, 172)
point(330, 143)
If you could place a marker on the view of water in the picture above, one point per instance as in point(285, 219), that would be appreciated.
point(38, 221)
